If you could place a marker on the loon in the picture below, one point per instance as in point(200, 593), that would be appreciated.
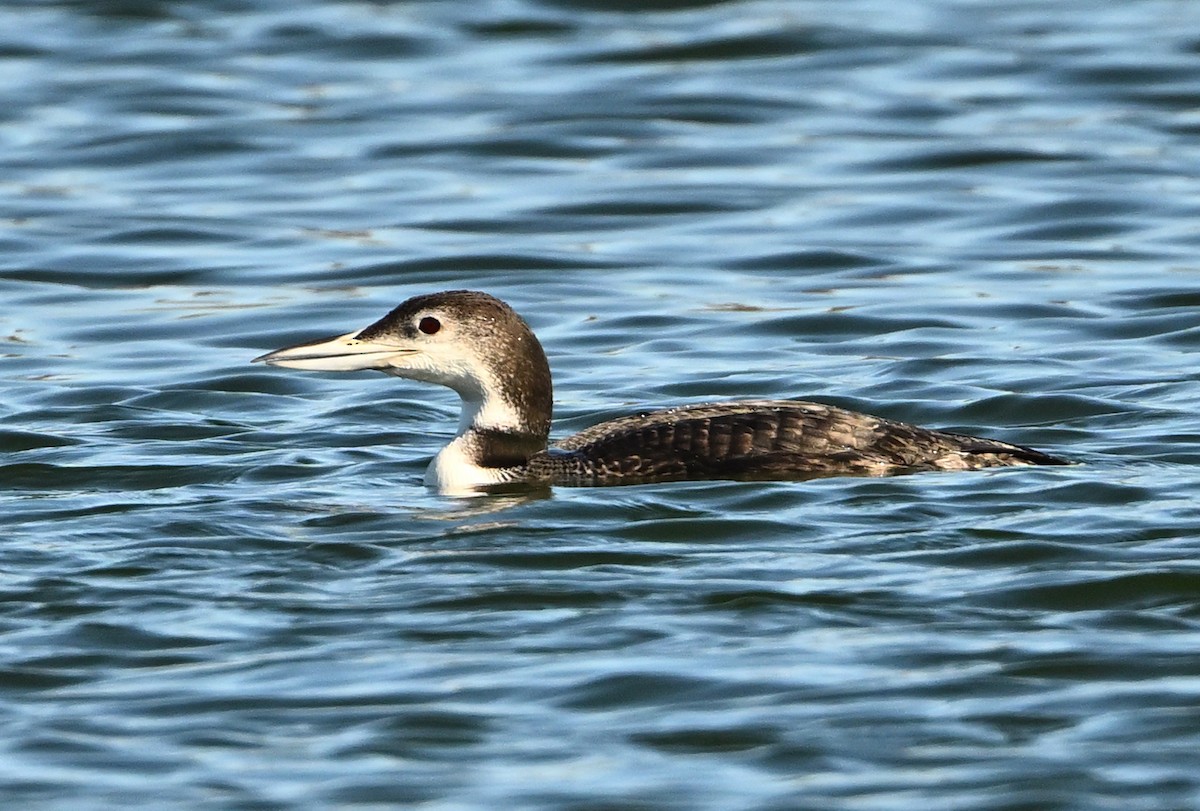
point(478, 346)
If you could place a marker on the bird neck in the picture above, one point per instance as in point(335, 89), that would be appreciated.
point(491, 418)
point(482, 456)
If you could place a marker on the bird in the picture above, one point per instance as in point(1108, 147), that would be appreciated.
point(477, 345)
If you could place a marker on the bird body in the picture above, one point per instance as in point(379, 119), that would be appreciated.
point(478, 346)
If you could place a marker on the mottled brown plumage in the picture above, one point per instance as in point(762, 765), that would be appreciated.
point(763, 440)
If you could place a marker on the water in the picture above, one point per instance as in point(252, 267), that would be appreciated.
point(225, 587)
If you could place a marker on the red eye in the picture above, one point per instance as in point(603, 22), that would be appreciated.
point(429, 325)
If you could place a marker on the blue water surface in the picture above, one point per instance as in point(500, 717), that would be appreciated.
point(224, 586)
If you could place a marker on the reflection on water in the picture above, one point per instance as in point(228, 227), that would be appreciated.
point(230, 584)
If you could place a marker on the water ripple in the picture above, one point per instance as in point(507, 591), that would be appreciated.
point(226, 587)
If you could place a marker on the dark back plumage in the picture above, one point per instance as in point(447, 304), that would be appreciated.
point(763, 440)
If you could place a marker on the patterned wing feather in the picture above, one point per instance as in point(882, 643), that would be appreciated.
point(763, 440)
